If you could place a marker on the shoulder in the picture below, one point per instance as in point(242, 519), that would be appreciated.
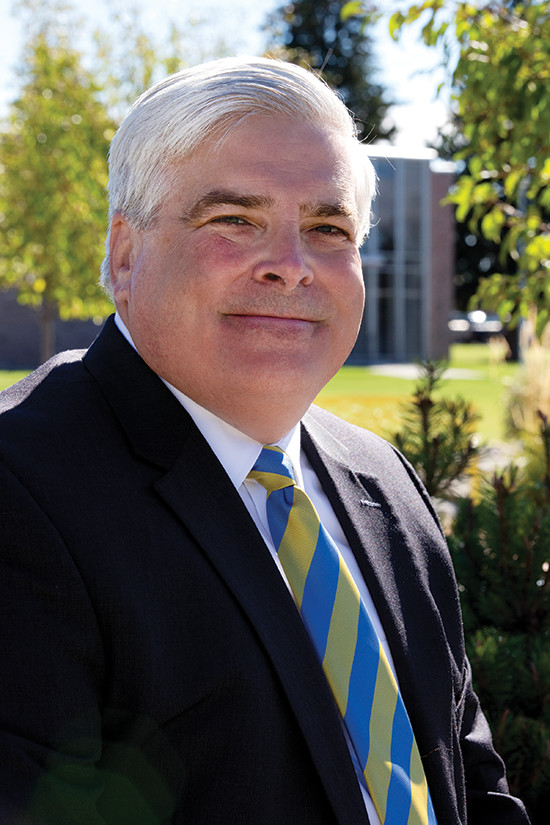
point(50, 376)
point(47, 413)
point(57, 384)
point(60, 388)
point(348, 442)
point(366, 455)
point(45, 400)
point(44, 415)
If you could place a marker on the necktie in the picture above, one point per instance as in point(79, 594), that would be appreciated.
point(352, 657)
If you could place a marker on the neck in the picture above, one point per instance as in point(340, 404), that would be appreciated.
point(264, 422)
point(263, 428)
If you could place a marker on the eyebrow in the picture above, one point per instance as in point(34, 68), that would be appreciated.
point(226, 197)
point(223, 197)
point(328, 210)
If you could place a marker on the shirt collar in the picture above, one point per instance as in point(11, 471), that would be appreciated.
point(235, 450)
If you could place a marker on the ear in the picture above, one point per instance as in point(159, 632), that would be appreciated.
point(123, 241)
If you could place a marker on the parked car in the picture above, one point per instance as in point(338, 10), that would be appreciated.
point(474, 326)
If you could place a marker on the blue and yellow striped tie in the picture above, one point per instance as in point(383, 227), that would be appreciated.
point(352, 657)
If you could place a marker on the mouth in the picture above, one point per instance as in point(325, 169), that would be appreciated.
point(272, 324)
point(273, 314)
point(271, 318)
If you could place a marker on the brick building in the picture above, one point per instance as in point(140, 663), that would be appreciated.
point(408, 260)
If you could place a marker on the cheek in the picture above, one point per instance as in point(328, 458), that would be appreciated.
point(217, 257)
point(351, 311)
point(353, 292)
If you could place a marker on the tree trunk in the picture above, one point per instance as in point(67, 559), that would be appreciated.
point(48, 317)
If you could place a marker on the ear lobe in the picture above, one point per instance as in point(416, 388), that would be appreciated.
point(122, 242)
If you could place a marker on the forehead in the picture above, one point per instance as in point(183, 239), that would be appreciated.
point(275, 155)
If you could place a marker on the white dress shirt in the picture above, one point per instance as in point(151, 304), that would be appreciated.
point(237, 453)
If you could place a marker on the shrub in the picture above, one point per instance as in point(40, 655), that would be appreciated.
point(438, 434)
point(499, 538)
point(500, 545)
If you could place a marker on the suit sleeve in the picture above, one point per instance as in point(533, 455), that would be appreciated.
point(50, 679)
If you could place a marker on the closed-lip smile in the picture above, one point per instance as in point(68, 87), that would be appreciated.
point(282, 324)
point(273, 316)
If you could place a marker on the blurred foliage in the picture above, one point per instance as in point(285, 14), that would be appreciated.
point(437, 435)
point(528, 396)
point(500, 543)
point(333, 38)
point(129, 56)
point(501, 57)
point(499, 538)
point(52, 187)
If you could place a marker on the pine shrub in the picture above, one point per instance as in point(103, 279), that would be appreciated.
point(438, 434)
point(499, 538)
point(500, 543)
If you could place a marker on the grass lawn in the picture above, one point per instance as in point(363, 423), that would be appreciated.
point(366, 397)
point(9, 377)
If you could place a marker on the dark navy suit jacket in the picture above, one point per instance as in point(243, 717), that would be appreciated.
point(154, 666)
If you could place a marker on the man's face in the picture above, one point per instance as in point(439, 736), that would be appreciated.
point(248, 292)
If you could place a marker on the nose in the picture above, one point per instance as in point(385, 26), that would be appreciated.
point(285, 261)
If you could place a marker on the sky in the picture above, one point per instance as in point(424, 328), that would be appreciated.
point(408, 70)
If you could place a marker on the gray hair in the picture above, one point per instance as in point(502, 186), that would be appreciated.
point(171, 119)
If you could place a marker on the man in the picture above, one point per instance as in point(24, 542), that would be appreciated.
point(156, 668)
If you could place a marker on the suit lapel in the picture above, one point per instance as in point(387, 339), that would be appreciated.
point(363, 516)
point(196, 487)
point(201, 494)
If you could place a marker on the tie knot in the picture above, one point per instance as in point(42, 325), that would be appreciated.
point(273, 469)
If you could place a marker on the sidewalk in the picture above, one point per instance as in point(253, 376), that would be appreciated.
point(412, 371)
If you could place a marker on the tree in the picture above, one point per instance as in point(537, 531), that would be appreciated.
point(129, 58)
point(475, 256)
point(52, 189)
point(54, 151)
point(502, 97)
point(320, 35)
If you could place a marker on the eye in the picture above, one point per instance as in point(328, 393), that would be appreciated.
point(235, 220)
point(330, 229)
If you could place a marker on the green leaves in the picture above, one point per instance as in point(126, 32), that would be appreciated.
point(501, 87)
point(52, 191)
point(500, 543)
point(430, 32)
point(53, 172)
point(352, 9)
